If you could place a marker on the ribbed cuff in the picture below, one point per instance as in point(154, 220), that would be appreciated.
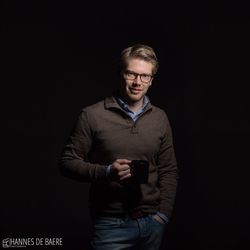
point(163, 217)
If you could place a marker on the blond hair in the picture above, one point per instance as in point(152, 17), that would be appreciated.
point(140, 51)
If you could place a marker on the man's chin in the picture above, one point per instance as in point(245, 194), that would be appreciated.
point(132, 97)
point(135, 98)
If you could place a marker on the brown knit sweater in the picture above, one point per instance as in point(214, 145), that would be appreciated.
point(104, 133)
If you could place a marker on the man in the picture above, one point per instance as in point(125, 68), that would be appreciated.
point(107, 137)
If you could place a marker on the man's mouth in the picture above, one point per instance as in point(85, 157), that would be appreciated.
point(135, 91)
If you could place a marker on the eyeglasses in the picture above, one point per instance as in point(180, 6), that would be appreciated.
point(130, 75)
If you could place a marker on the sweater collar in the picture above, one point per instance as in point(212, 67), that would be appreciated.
point(126, 108)
point(111, 102)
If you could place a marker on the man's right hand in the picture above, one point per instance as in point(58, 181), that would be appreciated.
point(120, 169)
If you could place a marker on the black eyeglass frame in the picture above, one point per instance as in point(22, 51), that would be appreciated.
point(135, 75)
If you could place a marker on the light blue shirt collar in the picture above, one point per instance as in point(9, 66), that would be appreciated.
point(133, 115)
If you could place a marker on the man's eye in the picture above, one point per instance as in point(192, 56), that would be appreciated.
point(130, 74)
point(146, 76)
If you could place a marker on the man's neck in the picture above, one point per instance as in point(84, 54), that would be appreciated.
point(135, 106)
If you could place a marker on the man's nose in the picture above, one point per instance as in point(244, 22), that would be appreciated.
point(137, 80)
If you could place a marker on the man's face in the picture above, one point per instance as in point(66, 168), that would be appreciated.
point(135, 89)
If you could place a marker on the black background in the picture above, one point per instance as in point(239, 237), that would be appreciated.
point(59, 56)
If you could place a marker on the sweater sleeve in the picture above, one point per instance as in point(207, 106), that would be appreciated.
point(73, 162)
point(167, 170)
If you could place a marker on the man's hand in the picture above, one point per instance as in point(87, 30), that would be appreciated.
point(120, 169)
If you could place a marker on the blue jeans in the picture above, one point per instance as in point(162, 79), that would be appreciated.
point(111, 233)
